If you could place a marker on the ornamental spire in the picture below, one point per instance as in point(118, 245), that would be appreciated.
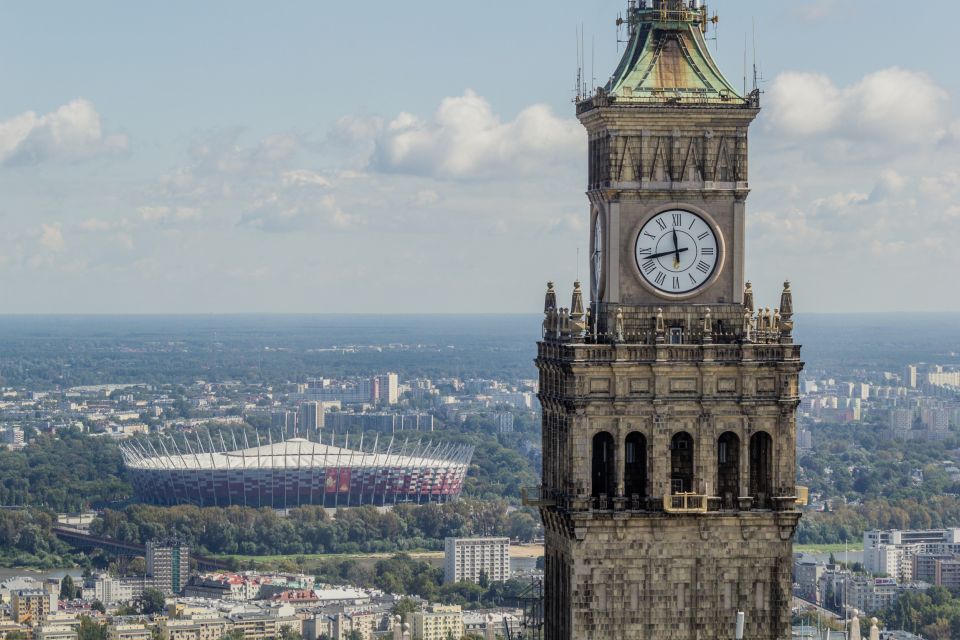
point(667, 60)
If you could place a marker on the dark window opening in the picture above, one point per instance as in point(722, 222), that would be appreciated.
point(603, 462)
point(681, 463)
point(761, 469)
point(635, 465)
point(728, 469)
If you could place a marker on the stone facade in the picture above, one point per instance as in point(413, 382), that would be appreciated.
point(669, 432)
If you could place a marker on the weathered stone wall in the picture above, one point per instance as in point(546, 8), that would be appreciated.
point(670, 577)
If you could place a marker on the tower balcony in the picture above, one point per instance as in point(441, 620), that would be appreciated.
point(677, 503)
point(600, 353)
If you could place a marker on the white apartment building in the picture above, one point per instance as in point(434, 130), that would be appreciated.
point(466, 558)
point(871, 595)
point(438, 622)
point(891, 552)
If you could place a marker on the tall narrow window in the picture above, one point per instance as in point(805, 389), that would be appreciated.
point(681, 463)
point(604, 481)
point(728, 469)
point(635, 465)
point(761, 469)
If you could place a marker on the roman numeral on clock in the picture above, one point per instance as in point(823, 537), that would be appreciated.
point(676, 282)
point(649, 266)
point(645, 252)
point(661, 277)
point(649, 235)
point(661, 224)
point(703, 236)
point(677, 219)
point(707, 251)
point(703, 267)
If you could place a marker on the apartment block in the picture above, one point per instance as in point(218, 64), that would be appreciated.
point(466, 558)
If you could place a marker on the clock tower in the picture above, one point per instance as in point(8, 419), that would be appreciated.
point(668, 488)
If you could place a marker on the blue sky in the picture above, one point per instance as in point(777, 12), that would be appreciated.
point(423, 157)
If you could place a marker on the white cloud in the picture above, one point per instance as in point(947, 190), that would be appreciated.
point(466, 139)
point(278, 213)
point(72, 132)
point(167, 215)
point(814, 10)
point(303, 177)
point(51, 237)
point(425, 198)
point(890, 106)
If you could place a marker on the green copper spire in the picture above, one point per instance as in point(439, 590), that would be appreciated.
point(667, 59)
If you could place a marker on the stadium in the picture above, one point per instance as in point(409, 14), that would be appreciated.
point(295, 472)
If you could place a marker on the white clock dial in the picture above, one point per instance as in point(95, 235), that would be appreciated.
point(677, 252)
point(597, 259)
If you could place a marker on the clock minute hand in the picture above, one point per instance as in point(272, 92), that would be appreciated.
point(666, 253)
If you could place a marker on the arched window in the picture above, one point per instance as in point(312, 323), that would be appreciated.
point(761, 469)
point(604, 480)
point(728, 469)
point(635, 465)
point(681, 463)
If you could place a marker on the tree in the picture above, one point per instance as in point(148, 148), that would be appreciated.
point(96, 605)
point(404, 607)
point(151, 601)
point(68, 591)
point(91, 630)
point(521, 526)
point(484, 579)
point(287, 633)
point(233, 634)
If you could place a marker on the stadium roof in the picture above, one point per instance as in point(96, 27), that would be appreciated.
point(293, 454)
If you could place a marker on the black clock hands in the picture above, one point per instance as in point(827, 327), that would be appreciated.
point(667, 253)
point(676, 247)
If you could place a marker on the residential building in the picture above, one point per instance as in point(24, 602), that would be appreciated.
point(168, 565)
point(311, 416)
point(947, 573)
point(465, 559)
point(386, 388)
point(194, 628)
point(807, 576)
point(57, 632)
point(267, 624)
point(438, 622)
point(128, 632)
point(505, 422)
point(340, 625)
point(871, 595)
point(910, 376)
point(30, 605)
point(12, 435)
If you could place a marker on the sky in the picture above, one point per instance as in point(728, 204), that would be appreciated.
point(423, 157)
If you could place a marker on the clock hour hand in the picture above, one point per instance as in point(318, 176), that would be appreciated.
point(667, 253)
point(676, 250)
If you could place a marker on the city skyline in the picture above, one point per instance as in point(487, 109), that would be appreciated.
point(219, 159)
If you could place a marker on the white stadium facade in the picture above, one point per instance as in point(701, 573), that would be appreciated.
point(295, 472)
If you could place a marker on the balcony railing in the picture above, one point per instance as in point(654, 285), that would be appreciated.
point(536, 497)
point(685, 503)
point(690, 503)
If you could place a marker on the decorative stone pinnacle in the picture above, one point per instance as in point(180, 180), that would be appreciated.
point(748, 296)
point(786, 301)
point(550, 299)
point(619, 326)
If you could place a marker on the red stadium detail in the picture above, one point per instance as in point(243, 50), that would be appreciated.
point(295, 472)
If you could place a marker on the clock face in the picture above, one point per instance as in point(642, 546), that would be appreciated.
point(597, 259)
point(677, 252)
